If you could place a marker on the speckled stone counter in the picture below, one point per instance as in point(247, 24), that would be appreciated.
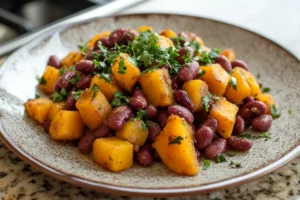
point(20, 181)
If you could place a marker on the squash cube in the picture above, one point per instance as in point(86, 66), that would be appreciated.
point(134, 132)
point(97, 37)
point(66, 125)
point(229, 54)
point(113, 153)
point(108, 89)
point(225, 112)
point(71, 59)
point(169, 33)
point(157, 87)
point(125, 71)
point(164, 42)
point(49, 77)
point(268, 100)
point(55, 109)
point(93, 108)
point(241, 90)
point(196, 90)
point(38, 108)
point(252, 82)
point(175, 146)
point(144, 28)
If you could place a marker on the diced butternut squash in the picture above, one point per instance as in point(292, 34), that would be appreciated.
point(252, 82)
point(71, 59)
point(196, 90)
point(238, 91)
point(268, 100)
point(164, 42)
point(199, 40)
point(97, 37)
point(93, 108)
point(157, 87)
point(66, 125)
point(49, 79)
point(216, 78)
point(229, 54)
point(225, 112)
point(55, 109)
point(38, 108)
point(176, 148)
point(108, 89)
point(168, 33)
point(134, 132)
point(144, 28)
point(125, 72)
point(113, 153)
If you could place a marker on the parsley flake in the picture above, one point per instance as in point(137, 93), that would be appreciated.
point(110, 158)
point(247, 136)
point(75, 79)
point(201, 72)
point(176, 140)
point(205, 102)
point(265, 90)
point(233, 83)
point(83, 48)
point(290, 111)
point(235, 164)
point(95, 88)
point(122, 67)
point(42, 81)
point(221, 158)
point(106, 77)
point(76, 94)
point(206, 164)
point(274, 112)
point(208, 58)
point(264, 135)
point(119, 100)
point(60, 96)
point(37, 96)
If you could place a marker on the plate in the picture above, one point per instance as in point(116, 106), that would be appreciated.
point(277, 68)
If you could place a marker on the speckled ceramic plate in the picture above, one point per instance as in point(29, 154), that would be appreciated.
point(278, 69)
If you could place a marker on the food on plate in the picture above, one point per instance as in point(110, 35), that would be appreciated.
point(146, 96)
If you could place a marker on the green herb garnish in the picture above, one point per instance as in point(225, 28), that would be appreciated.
point(235, 164)
point(122, 67)
point(201, 72)
point(83, 48)
point(221, 158)
point(110, 158)
point(205, 102)
point(76, 94)
point(42, 81)
point(290, 111)
point(95, 88)
point(265, 90)
point(176, 140)
point(60, 96)
point(37, 96)
point(233, 83)
point(264, 135)
point(75, 79)
point(208, 58)
point(274, 112)
point(119, 100)
point(106, 77)
point(206, 164)
point(247, 136)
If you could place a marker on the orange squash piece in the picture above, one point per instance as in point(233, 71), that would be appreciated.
point(168, 33)
point(229, 54)
point(268, 100)
point(38, 108)
point(71, 59)
point(144, 28)
point(50, 78)
point(97, 37)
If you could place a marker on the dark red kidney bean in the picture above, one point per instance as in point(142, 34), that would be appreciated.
point(248, 99)
point(193, 128)
point(151, 112)
point(204, 137)
point(70, 103)
point(183, 53)
point(224, 62)
point(117, 36)
point(211, 123)
point(188, 71)
point(63, 81)
point(162, 117)
point(257, 107)
point(85, 66)
point(176, 83)
point(245, 113)
point(198, 154)
point(130, 35)
point(46, 125)
point(156, 156)
point(239, 144)
point(102, 131)
point(239, 126)
point(104, 42)
point(183, 99)
point(181, 112)
point(84, 82)
point(216, 148)
point(144, 157)
point(85, 144)
point(138, 100)
point(262, 123)
point(154, 130)
point(54, 62)
point(118, 116)
point(239, 63)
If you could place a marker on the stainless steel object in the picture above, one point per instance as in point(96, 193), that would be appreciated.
point(96, 11)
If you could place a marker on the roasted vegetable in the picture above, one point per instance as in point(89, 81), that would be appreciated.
point(113, 153)
point(49, 79)
point(175, 146)
point(168, 33)
point(55, 108)
point(229, 54)
point(97, 37)
point(144, 28)
point(268, 100)
point(251, 80)
point(71, 59)
point(164, 42)
point(38, 108)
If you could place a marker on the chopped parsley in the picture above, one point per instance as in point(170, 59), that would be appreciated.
point(95, 88)
point(206, 164)
point(61, 71)
point(42, 81)
point(106, 77)
point(176, 140)
point(37, 96)
point(220, 158)
point(60, 96)
point(99, 64)
point(290, 111)
point(247, 136)
point(76, 94)
point(235, 164)
point(122, 67)
point(153, 68)
point(141, 115)
point(208, 58)
point(264, 135)
point(119, 99)
point(201, 72)
point(75, 79)
point(233, 83)
point(83, 48)
point(205, 102)
point(265, 90)
point(274, 112)
point(230, 154)
point(110, 158)
point(102, 48)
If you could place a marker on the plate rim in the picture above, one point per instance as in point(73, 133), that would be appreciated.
point(122, 190)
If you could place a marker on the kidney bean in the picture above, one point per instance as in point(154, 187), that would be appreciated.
point(188, 71)
point(46, 125)
point(239, 144)
point(183, 53)
point(151, 112)
point(162, 117)
point(239, 126)
point(156, 156)
point(239, 63)
point(257, 107)
point(84, 82)
point(102, 131)
point(224, 62)
point(85, 66)
point(245, 113)
point(104, 42)
point(248, 99)
point(117, 36)
point(176, 84)
point(262, 122)
point(144, 157)
point(138, 100)
point(63, 81)
point(54, 62)
point(70, 103)
point(216, 148)
point(181, 112)
point(204, 137)
point(118, 116)
point(130, 35)
point(211, 123)
point(85, 144)
point(154, 130)
point(198, 154)
point(183, 99)
point(186, 36)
